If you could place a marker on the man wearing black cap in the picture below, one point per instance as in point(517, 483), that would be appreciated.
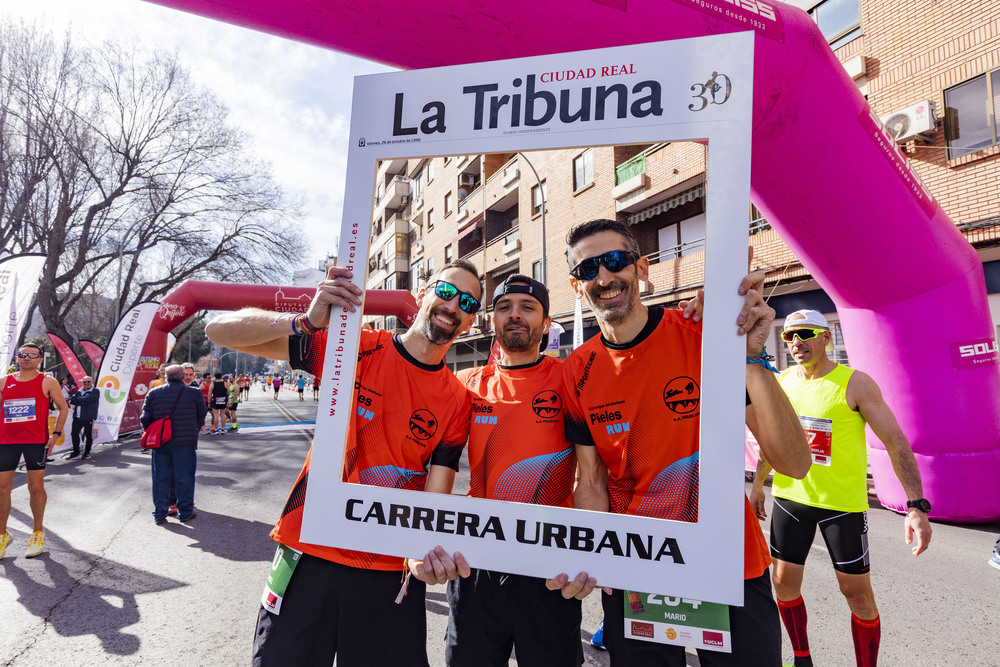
point(517, 452)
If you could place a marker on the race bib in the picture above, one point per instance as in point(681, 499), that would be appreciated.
point(282, 567)
point(819, 433)
point(679, 621)
point(17, 410)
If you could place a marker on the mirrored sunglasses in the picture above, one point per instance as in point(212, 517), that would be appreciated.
point(803, 334)
point(28, 355)
point(446, 292)
point(615, 261)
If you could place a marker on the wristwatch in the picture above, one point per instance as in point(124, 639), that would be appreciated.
point(56, 432)
point(921, 504)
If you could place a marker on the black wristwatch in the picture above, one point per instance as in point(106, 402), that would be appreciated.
point(921, 504)
point(56, 432)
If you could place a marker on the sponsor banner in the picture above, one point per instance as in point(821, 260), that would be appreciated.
point(974, 353)
point(114, 380)
point(578, 324)
point(94, 351)
point(555, 331)
point(73, 364)
point(874, 128)
point(755, 15)
point(679, 621)
point(616, 96)
point(18, 284)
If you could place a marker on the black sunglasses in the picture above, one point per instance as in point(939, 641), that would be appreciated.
point(616, 260)
point(446, 291)
point(28, 355)
point(803, 334)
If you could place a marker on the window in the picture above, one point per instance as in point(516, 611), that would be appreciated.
point(418, 185)
point(838, 20)
point(447, 204)
point(583, 169)
point(536, 270)
point(447, 253)
point(390, 281)
point(971, 120)
point(402, 244)
point(430, 219)
point(429, 171)
point(430, 267)
point(537, 198)
point(416, 273)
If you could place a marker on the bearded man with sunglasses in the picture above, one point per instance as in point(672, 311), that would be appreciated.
point(408, 432)
point(834, 403)
point(646, 365)
point(25, 397)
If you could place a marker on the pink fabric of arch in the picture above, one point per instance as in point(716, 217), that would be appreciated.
point(909, 289)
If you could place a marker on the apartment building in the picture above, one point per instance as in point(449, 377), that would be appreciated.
point(932, 72)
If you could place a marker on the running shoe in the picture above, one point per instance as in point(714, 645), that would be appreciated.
point(85, 457)
point(71, 457)
point(995, 560)
point(4, 541)
point(597, 641)
point(35, 544)
point(172, 510)
point(192, 515)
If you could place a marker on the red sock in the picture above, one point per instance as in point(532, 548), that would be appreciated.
point(867, 635)
point(793, 615)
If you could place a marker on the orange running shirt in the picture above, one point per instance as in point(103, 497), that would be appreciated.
point(640, 405)
point(517, 445)
point(408, 417)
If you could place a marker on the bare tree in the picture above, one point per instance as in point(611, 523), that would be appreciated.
point(127, 175)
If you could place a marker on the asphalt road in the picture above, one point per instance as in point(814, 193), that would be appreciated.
point(115, 589)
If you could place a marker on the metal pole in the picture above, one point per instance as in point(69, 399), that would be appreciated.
point(541, 191)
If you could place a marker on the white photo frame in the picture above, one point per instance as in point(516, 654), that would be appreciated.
point(693, 89)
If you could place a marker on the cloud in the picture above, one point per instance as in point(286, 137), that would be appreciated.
point(292, 99)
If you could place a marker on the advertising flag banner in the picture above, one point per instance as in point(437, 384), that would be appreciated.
point(689, 90)
point(18, 284)
point(94, 351)
point(578, 324)
point(118, 367)
point(69, 358)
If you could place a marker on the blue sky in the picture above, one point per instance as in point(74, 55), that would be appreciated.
point(294, 100)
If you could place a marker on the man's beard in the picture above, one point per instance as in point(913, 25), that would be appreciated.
point(521, 341)
point(435, 332)
point(616, 313)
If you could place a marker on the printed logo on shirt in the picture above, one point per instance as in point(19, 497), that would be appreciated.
point(682, 395)
point(547, 404)
point(423, 424)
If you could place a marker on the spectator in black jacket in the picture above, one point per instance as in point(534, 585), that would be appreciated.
point(84, 404)
point(177, 457)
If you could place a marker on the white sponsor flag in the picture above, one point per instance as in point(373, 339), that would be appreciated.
point(578, 324)
point(555, 331)
point(118, 367)
point(18, 284)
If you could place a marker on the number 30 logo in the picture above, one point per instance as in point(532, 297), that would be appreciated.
point(718, 88)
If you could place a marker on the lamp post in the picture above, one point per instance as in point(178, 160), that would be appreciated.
point(541, 192)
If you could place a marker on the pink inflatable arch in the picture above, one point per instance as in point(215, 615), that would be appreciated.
point(909, 289)
point(194, 295)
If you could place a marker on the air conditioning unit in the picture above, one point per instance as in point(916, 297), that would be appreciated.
point(483, 322)
point(918, 120)
point(467, 180)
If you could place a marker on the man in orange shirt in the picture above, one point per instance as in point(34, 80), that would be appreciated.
point(409, 429)
point(517, 452)
point(640, 455)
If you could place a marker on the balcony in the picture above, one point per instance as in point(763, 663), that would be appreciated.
point(393, 196)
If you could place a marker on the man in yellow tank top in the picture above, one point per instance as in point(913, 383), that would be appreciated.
point(834, 403)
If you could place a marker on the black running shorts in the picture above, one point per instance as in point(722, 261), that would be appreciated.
point(793, 528)
point(492, 612)
point(10, 457)
point(332, 610)
point(755, 632)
